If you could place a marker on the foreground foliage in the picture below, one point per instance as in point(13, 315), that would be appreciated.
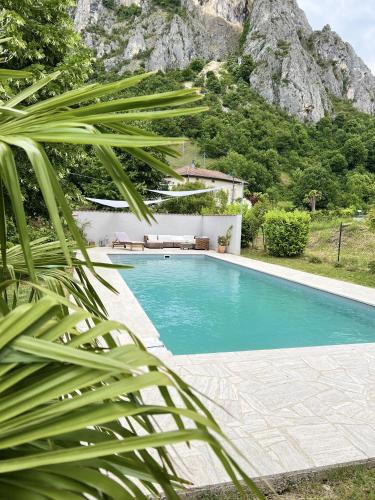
point(73, 419)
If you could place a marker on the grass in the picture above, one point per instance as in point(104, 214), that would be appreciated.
point(190, 152)
point(357, 251)
point(349, 483)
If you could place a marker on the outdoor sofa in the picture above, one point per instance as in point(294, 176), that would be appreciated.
point(168, 240)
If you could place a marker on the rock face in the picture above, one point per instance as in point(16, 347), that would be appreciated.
point(297, 68)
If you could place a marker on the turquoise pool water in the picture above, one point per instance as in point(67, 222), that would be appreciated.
point(200, 305)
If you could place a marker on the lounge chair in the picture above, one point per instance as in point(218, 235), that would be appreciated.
point(123, 240)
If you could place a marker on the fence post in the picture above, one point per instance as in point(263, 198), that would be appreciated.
point(340, 240)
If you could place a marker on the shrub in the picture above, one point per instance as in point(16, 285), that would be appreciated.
point(371, 266)
point(125, 12)
point(252, 223)
point(286, 232)
point(197, 65)
point(252, 219)
point(109, 4)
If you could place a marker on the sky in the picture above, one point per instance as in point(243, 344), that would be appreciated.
point(353, 20)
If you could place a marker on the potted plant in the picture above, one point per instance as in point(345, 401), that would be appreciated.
point(224, 240)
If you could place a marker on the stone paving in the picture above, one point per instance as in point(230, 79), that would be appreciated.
point(288, 409)
point(285, 409)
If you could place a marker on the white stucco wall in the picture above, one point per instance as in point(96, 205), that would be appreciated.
point(102, 225)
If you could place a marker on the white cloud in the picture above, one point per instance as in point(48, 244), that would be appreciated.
point(353, 20)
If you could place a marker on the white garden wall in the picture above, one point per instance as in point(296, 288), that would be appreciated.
point(100, 226)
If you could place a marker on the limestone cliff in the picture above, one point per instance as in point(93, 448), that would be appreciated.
point(296, 68)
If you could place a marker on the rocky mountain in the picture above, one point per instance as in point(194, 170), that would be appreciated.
point(298, 69)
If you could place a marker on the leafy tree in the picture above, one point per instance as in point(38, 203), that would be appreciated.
point(370, 145)
point(361, 188)
point(168, 4)
point(355, 151)
point(316, 178)
point(338, 163)
point(43, 39)
point(213, 83)
point(197, 65)
point(245, 68)
point(193, 205)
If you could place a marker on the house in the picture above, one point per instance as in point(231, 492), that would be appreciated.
point(211, 179)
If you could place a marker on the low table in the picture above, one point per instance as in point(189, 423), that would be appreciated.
point(135, 245)
point(202, 243)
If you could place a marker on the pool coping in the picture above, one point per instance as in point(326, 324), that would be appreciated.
point(314, 365)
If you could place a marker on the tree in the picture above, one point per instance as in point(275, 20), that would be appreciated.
point(213, 83)
point(361, 188)
point(61, 394)
point(338, 163)
point(316, 178)
point(42, 39)
point(312, 197)
point(355, 151)
point(258, 175)
point(245, 68)
point(193, 205)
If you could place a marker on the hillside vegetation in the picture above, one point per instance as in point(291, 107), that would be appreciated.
point(275, 153)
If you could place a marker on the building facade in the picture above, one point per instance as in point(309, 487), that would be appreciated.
point(211, 179)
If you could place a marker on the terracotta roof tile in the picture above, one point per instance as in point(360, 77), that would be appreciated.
point(207, 174)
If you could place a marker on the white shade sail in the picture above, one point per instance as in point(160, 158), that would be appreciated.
point(169, 194)
point(180, 194)
point(121, 204)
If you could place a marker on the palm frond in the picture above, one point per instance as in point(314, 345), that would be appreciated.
point(73, 422)
point(67, 395)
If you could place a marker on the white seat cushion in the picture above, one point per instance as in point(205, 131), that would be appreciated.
point(152, 238)
point(167, 238)
point(189, 239)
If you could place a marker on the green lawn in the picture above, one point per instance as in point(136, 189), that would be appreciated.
point(358, 250)
point(355, 483)
point(189, 152)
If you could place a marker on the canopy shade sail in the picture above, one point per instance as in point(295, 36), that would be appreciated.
point(180, 194)
point(122, 204)
point(169, 194)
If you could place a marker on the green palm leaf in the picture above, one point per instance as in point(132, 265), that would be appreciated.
point(73, 421)
point(93, 379)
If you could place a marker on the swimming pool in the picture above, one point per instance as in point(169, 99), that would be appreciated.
point(200, 304)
